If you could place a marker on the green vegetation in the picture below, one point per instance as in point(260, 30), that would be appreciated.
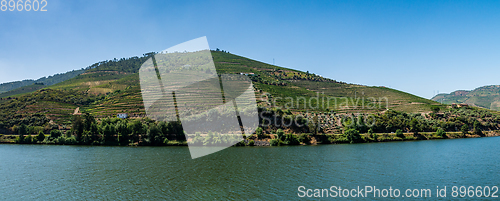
point(300, 107)
point(46, 81)
point(485, 97)
point(22, 90)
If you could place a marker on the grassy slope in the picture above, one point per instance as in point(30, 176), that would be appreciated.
point(122, 90)
point(22, 90)
point(398, 100)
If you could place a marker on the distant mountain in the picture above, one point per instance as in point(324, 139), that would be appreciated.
point(485, 97)
point(47, 81)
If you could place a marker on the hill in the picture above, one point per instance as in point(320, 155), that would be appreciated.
point(23, 90)
point(110, 87)
point(47, 81)
point(485, 97)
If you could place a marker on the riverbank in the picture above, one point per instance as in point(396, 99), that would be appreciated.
point(303, 139)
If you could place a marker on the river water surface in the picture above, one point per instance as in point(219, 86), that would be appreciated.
point(50, 172)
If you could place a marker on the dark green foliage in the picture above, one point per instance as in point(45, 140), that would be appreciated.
point(435, 108)
point(88, 121)
point(251, 143)
point(259, 132)
point(372, 135)
point(136, 128)
point(465, 129)
point(274, 142)
point(55, 134)
point(415, 126)
point(40, 137)
point(109, 133)
point(23, 130)
point(304, 138)
point(28, 139)
point(280, 134)
point(440, 132)
point(477, 128)
point(129, 65)
point(123, 132)
point(154, 135)
point(291, 139)
point(77, 127)
point(399, 133)
point(352, 136)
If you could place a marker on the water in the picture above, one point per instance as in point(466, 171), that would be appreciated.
point(50, 172)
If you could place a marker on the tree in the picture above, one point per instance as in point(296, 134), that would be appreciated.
point(352, 135)
point(109, 133)
point(55, 134)
point(77, 127)
point(291, 139)
point(280, 134)
point(414, 126)
point(163, 126)
point(22, 130)
point(435, 108)
point(94, 132)
point(259, 132)
point(465, 129)
point(477, 128)
point(154, 135)
point(274, 142)
point(28, 139)
point(313, 125)
point(136, 128)
point(372, 135)
point(89, 120)
point(304, 138)
point(440, 132)
point(40, 137)
point(399, 133)
point(123, 132)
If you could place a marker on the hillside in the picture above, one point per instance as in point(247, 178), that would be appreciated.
point(23, 90)
point(47, 81)
point(485, 97)
point(110, 87)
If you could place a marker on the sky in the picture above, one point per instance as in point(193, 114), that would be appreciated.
point(419, 47)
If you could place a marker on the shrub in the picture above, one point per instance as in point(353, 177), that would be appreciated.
point(274, 142)
point(280, 134)
point(372, 135)
point(465, 129)
point(40, 137)
point(440, 132)
point(291, 139)
point(251, 143)
point(304, 138)
point(28, 139)
point(259, 132)
point(71, 141)
point(477, 128)
point(399, 133)
point(352, 135)
point(55, 134)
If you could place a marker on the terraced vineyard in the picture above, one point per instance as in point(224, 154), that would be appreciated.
point(111, 87)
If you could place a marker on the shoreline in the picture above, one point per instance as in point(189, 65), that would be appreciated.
point(318, 139)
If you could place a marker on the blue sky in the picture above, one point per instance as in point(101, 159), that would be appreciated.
point(414, 46)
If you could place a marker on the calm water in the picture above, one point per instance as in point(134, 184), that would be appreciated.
point(256, 173)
